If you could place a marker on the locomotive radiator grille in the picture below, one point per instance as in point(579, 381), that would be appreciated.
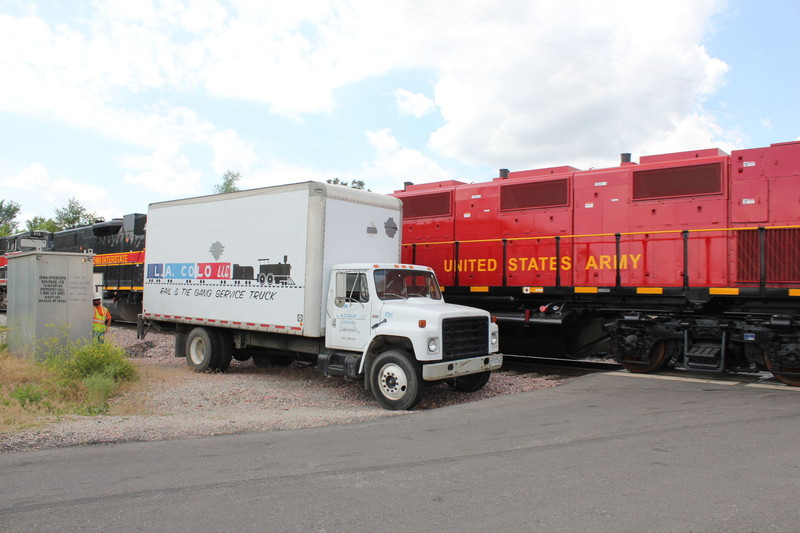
point(465, 337)
point(781, 251)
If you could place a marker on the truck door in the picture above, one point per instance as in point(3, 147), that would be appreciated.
point(348, 318)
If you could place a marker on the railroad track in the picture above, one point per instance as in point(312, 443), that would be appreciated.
point(574, 367)
point(582, 367)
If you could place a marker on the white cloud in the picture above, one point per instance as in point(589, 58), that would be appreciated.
point(33, 178)
point(692, 132)
point(166, 170)
point(615, 74)
point(391, 165)
point(231, 153)
point(35, 185)
point(414, 104)
point(518, 83)
point(395, 164)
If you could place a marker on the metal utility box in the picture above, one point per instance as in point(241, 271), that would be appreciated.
point(50, 301)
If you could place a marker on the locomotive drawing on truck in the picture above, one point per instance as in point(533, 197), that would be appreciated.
point(270, 274)
point(274, 273)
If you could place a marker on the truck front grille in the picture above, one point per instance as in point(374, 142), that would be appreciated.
point(465, 337)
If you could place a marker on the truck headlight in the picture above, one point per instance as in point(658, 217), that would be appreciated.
point(494, 340)
point(433, 345)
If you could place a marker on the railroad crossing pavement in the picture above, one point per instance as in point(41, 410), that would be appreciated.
point(603, 453)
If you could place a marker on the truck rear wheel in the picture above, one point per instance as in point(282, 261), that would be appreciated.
point(396, 381)
point(202, 349)
point(470, 383)
point(225, 349)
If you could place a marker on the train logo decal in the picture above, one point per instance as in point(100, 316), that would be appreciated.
point(274, 273)
point(216, 250)
point(390, 226)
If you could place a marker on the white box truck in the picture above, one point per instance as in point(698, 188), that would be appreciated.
point(309, 271)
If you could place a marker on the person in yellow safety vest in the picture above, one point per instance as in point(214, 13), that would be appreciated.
point(100, 321)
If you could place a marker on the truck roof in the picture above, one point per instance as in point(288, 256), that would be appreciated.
point(328, 190)
point(378, 266)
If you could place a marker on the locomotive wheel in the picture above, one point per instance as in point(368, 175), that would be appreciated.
point(649, 362)
point(791, 377)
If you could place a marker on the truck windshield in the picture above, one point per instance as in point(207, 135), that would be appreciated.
point(400, 284)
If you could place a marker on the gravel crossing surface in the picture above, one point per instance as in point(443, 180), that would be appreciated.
point(171, 401)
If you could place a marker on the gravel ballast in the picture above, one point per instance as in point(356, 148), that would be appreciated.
point(179, 403)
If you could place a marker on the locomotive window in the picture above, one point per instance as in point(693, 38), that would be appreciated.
point(428, 205)
point(680, 181)
point(552, 193)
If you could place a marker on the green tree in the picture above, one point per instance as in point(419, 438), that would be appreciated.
point(355, 184)
point(41, 223)
point(8, 214)
point(229, 180)
point(73, 215)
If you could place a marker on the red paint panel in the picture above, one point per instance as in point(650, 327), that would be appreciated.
point(703, 193)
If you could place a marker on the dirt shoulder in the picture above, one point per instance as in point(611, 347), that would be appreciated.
point(170, 401)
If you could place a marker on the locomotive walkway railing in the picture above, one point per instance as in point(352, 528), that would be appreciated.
point(791, 249)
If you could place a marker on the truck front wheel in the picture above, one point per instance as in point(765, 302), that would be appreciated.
point(396, 381)
point(202, 347)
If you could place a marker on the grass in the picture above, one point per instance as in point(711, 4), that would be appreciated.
point(75, 379)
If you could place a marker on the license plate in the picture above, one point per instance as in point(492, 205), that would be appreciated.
point(495, 360)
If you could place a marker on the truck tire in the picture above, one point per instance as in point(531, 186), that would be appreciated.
point(202, 349)
point(225, 349)
point(470, 383)
point(396, 381)
point(242, 354)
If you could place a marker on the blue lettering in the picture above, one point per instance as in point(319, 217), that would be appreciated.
point(155, 271)
point(179, 270)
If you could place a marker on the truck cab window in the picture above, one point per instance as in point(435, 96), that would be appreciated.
point(351, 287)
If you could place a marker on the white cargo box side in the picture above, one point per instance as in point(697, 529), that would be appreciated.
point(260, 259)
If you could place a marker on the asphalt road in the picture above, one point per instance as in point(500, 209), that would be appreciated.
point(606, 453)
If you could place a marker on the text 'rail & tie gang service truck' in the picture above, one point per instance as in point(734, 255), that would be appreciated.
point(309, 271)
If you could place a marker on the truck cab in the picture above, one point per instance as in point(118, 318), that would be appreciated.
point(389, 324)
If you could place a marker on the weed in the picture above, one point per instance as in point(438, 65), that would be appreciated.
point(27, 394)
point(91, 359)
point(99, 388)
point(77, 378)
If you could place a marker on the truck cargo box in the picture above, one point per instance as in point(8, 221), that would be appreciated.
point(255, 259)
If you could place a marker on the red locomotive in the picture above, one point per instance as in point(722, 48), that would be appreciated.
point(688, 259)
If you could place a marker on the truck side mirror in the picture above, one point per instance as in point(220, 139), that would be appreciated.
point(340, 294)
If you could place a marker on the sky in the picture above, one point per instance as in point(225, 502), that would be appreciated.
point(121, 103)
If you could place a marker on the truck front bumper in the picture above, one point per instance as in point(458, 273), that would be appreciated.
point(462, 367)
